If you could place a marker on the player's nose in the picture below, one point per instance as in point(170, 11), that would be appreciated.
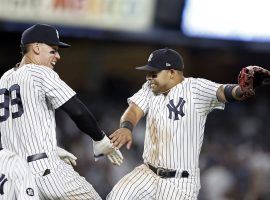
point(57, 56)
point(148, 77)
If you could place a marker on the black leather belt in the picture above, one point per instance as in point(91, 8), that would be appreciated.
point(166, 173)
point(36, 157)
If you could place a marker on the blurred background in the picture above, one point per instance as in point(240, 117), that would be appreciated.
point(110, 38)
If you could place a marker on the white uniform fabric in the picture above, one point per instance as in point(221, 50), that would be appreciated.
point(174, 134)
point(16, 180)
point(29, 96)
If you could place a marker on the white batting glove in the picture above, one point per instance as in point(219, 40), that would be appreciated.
point(105, 147)
point(66, 156)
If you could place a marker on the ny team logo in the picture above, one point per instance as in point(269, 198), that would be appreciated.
point(3, 180)
point(176, 109)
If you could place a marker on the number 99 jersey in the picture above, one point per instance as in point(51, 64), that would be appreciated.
point(29, 96)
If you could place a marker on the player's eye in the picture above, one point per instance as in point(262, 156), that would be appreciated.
point(152, 75)
point(53, 51)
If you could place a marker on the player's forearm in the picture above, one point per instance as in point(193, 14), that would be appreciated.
point(83, 118)
point(237, 93)
point(132, 115)
point(230, 93)
point(87, 123)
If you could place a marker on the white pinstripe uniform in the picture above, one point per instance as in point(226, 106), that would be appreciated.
point(27, 125)
point(173, 139)
point(16, 179)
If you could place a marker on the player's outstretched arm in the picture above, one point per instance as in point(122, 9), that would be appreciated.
point(87, 123)
point(249, 79)
point(230, 93)
point(129, 119)
point(83, 118)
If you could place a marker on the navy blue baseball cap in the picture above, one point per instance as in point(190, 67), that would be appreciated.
point(163, 59)
point(42, 33)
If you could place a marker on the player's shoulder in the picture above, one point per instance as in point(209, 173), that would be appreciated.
point(147, 89)
point(146, 85)
point(196, 80)
point(39, 70)
point(189, 82)
point(7, 73)
point(199, 81)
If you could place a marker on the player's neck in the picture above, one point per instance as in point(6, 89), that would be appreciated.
point(26, 60)
point(181, 79)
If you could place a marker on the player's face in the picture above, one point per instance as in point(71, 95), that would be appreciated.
point(49, 55)
point(158, 81)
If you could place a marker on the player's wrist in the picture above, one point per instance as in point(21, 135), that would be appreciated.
point(239, 94)
point(127, 124)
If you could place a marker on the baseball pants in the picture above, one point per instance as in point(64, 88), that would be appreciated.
point(142, 183)
point(57, 180)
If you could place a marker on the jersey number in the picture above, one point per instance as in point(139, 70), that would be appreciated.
point(14, 96)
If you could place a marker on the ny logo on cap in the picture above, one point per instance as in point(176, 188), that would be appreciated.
point(3, 180)
point(57, 34)
point(150, 57)
point(168, 64)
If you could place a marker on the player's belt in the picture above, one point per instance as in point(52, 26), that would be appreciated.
point(166, 173)
point(36, 157)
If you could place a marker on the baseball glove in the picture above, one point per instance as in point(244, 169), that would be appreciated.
point(252, 77)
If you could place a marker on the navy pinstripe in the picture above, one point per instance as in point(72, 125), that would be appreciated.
point(172, 141)
point(41, 91)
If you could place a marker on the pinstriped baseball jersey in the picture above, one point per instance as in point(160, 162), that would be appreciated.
point(16, 180)
point(175, 122)
point(174, 134)
point(29, 96)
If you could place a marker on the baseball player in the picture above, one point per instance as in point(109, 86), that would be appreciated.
point(16, 179)
point(176, 109)
point(29, 95)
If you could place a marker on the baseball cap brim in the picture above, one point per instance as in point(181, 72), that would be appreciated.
point(63, 45)
point(148, 68)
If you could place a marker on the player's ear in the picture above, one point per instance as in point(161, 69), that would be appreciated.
point(172, 73)
point(36, 48)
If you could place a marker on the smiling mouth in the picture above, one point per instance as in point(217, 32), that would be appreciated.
point(53, 63)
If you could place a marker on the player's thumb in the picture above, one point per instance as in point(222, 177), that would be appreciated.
point(71, 156)
point(129, 145)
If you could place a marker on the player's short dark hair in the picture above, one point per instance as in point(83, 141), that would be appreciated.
point(24, 48)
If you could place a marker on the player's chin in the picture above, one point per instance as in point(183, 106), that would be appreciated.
point(155, 91)
point(51, 66)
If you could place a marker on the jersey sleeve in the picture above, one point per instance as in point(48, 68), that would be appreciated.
point(206, 95)
point(142, 97)
point(57, 92)
point(25, 187)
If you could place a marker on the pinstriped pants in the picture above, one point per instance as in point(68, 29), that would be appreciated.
point(142, 183)
point(62, 182)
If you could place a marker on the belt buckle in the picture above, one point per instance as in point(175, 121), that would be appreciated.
point(160, 172)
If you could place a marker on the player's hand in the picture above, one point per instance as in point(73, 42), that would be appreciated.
point(121, 137)
point(252, 77)
point(105, 147)
point(66, 156)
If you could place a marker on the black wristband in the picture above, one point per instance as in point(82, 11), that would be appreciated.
point(127, 124)
point(228, 92)
point(239, 93)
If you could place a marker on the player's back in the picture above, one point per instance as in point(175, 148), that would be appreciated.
point(27, 120)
